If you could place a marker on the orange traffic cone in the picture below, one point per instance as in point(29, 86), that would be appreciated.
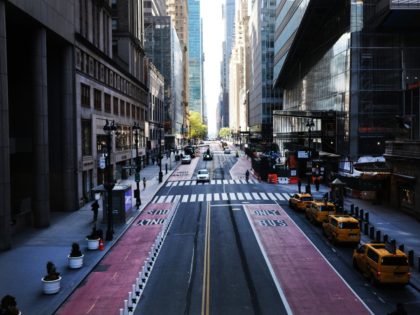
point(101, 244)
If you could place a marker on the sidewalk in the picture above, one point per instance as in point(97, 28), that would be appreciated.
point(24, 265)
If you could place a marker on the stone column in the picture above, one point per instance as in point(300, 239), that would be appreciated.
point(70, 202)
point(41, 203)
point(5, 208)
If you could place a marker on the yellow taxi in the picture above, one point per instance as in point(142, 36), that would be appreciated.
point(341, 228)
point(382, 263)
point(300, 201)
point(317, 211)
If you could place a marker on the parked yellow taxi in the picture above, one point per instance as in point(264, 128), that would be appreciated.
point(342, 228)
point(317, 211)
point(299, 201)
point(382, 263)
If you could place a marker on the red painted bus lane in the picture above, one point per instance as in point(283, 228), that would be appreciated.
point(106, 288)
point(305, 279)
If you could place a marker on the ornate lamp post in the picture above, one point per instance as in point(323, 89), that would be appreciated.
point(310, 124)
point(136, 129)
point(109, 179)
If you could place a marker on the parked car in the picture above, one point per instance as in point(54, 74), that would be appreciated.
point(317, 211)
point(186, 159)
point(203, 175)
point(227, 151)
point(382, 263)
point(342, 228)
point(300, 201)
point(207, 156)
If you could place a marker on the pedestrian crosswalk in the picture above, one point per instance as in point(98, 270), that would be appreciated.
point(234, 196)
point(212, 182)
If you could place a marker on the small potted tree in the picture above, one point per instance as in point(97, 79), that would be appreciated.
point(75, 257)
point(93, 239)
point(51, 282)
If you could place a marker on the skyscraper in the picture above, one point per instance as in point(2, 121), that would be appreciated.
point(195, 45)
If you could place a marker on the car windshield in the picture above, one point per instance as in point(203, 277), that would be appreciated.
point(394, 261)
point(349, 225)
point(326, 208)
point(203, 172)
point(306, 199)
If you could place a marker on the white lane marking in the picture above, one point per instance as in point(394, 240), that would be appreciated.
point(193, 198)
point(201, 197)
point(161, 199)
point(216, 197)
point(279, 196)
point(240, 196)
point(225, 196)
point(188, 183)
point(182, 183)
point(208, 197)
point(264, 196)
point(232, 196)
point(272, 197)
point(256, 196)
point(185, 198)
point(248, 196)
point(169, 198)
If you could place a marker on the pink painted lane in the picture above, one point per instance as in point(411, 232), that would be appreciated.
point(106, 288)
point(307, 282)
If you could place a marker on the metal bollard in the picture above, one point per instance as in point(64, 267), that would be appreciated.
point(367, 217)
point(352, 208)
point(386, 238)
point(366, 228)
point(362, 214)
point(372, 232)
point(378, 236)
point(411, 258)
point(401, 247)
point(356, 212)
point(418, 263)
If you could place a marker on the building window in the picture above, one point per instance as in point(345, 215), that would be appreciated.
point(127, 109)
point(133, 112)
point(85, 95)
point(114, 24)
point(97, 99)
point(86, 137)
point(107, 101)
point(122, 108)
point(116, 106)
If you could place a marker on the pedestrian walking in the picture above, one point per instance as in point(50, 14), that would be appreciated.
point(144, 183)
point(299, 185)
point(317, 183)
point(247, 175)
point(95, 208)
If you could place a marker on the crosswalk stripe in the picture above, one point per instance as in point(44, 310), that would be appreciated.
point(200, 197)
point(256, 196)
point(169, 198)
point(231, 181)
point(216, 197)
point(155, 199)
point(188, 183)
point(193, 197)
point(212, 182)
point(224, 196)
point(225, 181)
point(240, 196)
point(169, 184)
point(175, 184)
point(286, 196)
point(232, 196)
point(181, 183)
point(161, 199)
point(218, 181)
point(264, 196)
point(194, 182)
point(248, 196)
point(243, 181)
point(185, 198)
point(272, 197)
point(208, 197)
point(279, 196)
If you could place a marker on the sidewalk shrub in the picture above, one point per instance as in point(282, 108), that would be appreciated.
point(52, 273)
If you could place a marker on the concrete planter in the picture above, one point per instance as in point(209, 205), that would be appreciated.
point(75, 262)
point(93, 244)
point(51, 286)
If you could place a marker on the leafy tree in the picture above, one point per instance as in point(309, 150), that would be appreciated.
point(198, 130)
point(224, 133)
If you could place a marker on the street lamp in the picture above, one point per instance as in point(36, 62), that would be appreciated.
point(160, 155)
point(109, 184)
point(309, 124)
point(240, 138)
point(136, 129)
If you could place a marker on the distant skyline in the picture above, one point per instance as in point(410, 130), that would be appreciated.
point(211, 13)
